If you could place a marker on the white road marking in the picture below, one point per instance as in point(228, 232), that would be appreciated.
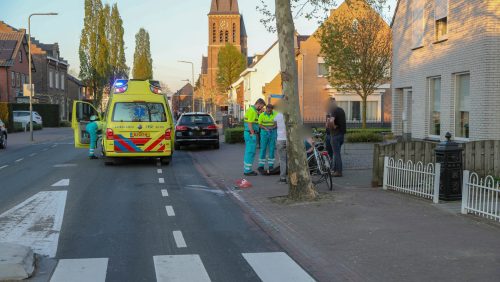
point(215, 191)
point(161, 180)
point(65, 165)
point(179, 239)
point(62, 182)
point(160, 171)
point(276, 267)
point(18, 160)
point(170, 210)
point(53, 146)
point(81, 270)
point(33, 154)
point(180, 268)
point(2, 167)
point(164, 192)
point(45, 149)
point(36, 222)
point(158, 163)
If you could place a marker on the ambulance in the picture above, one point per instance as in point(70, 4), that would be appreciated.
point(137, 123)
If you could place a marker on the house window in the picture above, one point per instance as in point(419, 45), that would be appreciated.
point(441, 29)
point(57, 80)
point(417, 24)
point(221, 35)
point(214, 33)
point(234, 33)
point(372, 110)
point(51, 79)
point(227, 36)
point(12, 79)
point(435, 105)
point(20, 56)
point(62, 81)
point(322, 68)
point(22, 79)
point(462, 105)
point(18, 79)
point(355, 111)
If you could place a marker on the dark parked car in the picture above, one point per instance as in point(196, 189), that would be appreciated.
point(196, 129)
point(3, 135)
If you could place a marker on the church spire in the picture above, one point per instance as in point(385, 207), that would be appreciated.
point(224, 7)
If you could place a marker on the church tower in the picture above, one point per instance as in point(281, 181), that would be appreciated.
point(225, 25)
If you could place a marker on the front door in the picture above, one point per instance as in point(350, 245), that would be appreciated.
point(82, 111)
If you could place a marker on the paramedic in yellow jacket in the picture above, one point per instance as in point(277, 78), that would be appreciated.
point(268, 136)
point(250, 134)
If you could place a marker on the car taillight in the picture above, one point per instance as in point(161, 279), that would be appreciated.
point(109, 134)
point(168, 134)
point(324, 153)
point(212, 127)
point(181, 128)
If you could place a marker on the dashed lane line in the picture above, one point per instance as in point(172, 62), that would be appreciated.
point(53, 146)
point(179, 239)
point(33, 154)
point(18, 160)
point(62, 182)
point(164, 192)
point(170, 210)
point(160, 171)
point(4, 166)
point(161, 180)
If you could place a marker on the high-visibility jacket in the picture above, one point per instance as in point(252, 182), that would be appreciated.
point(266, 119)
point(252, 116)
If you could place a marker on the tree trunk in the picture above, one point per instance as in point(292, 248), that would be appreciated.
point(300, 185)
point(363, 112)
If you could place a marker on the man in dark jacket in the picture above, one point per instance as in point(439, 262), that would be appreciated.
point(337, 126)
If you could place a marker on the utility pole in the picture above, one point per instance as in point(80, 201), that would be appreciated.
point(29, 66)
point(192, 81)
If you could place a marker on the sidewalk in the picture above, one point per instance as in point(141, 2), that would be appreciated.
point(47, 134)
point(357, 233)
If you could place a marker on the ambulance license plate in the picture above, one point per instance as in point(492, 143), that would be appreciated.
point(139, 134)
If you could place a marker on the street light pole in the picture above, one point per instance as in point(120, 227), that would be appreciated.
point(192, 81)
point(29, 66)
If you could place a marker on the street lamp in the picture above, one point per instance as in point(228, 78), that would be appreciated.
point(29, 66)
point(192, 76)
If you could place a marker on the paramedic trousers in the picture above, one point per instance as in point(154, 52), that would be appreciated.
point(267, 142)
point(250, 147)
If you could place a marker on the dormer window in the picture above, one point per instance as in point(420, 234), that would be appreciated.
point(441, 29)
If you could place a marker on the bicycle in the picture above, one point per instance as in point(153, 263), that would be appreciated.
point(319, 163)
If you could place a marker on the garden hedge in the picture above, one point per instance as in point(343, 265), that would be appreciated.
point(234, 135)
point(49, 113)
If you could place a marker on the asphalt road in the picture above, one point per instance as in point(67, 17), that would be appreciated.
point(135, 221)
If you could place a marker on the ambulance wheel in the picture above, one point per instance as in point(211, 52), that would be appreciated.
point(109, 161)
point(166, 160)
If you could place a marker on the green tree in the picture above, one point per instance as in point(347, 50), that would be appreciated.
point(356, 44)
point(143, 63)
point(102, 65)
point(89, 46)
point(231, 62)
point(117, 61)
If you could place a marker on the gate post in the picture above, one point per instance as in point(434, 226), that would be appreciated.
point(437, 178)
point(465, 191)
point(386, 164)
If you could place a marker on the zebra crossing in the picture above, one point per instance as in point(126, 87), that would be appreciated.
point(269, 267)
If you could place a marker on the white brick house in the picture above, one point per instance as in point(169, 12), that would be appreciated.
point(446, 69)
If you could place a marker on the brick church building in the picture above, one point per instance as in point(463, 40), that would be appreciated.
point(225, 25)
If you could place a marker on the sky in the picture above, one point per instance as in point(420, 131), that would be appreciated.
point(177, 28)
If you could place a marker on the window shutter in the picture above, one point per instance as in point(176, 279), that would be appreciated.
point(440, 9)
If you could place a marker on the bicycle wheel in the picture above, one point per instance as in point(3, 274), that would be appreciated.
point(327, 172)
point(316, 176)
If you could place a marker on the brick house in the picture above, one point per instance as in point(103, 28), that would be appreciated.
point(14, 67)
point(76, 91)
point(446, 69)
point(51, 77)
point(314, 88)
point(182, 100)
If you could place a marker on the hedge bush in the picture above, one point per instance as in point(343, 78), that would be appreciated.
point(18, 127)
point(4, 112)
point(64, 123)
point(49, 112)
point(363, 136)
point(234, 135)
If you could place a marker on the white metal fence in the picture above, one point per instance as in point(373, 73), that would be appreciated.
point(412, 178)
point(480, 196)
